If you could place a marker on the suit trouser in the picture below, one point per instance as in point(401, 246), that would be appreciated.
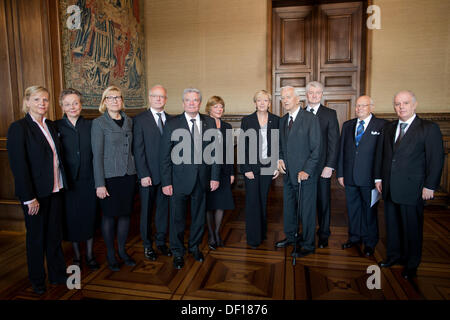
point(323, 207)
point(178, 204)
point(307, 214)
point(44, 236)
point(404, 231)
point(362, 219)
point(149, 196)
point(256, 193)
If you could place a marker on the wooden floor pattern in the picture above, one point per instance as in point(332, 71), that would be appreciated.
point(238, 272)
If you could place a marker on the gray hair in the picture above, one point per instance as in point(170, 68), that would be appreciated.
point(189, 90)
point(413, 96)
point(296, 91)
point(157, 86)
point(315, 84)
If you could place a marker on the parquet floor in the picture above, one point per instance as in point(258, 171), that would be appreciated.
point(238, 272)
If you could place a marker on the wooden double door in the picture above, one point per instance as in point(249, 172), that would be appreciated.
point(322, 42)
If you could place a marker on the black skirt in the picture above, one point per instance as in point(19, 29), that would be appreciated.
point(222, 198)
point(81, 209)
point(121, 196)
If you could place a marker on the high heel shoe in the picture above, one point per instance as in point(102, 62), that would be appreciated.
point(128, 260)
point(92, 264)
point(219, 241)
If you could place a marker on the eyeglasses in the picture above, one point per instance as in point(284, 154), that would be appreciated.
point(113, 98)
point(157, 96)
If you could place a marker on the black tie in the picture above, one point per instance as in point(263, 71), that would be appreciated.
point(160, 123)
point(311, 110)
point(290, 123)
point(402, 133)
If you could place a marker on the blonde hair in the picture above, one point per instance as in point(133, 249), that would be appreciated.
point(260, 93)
point(212, 102)
point(28, 93)
point(102, 107)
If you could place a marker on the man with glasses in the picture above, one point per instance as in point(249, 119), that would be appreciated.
point(329, 128)
point(185, 176)
point(408, 168)
point(147, 131)
point(358, 145)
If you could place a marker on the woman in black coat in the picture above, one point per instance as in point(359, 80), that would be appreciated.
point(34, 152)
point(80, 199)
point(257, 181)
point(221, 199)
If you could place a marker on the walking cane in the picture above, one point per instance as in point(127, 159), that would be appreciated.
point(297, 214)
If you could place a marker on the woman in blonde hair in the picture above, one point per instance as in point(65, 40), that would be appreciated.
point(114, 172)
point(80, 199)
point(34, 152)
point(257, 185)
point(221, 199)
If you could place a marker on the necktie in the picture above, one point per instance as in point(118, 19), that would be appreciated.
point(311, 110)
point(290, 122)
point(359, 132)
point(402, 133)
point(195, 137)
point(160, 123)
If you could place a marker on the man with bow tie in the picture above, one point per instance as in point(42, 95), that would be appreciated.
point(358, 145)
point(147, 132)
point(408, 171)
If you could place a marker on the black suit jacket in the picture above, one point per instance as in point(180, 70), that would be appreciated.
point(31, 158)
point(251, 122)
point(226, 169)
point(329, 128)
point(355, 164)
point(300, 147)
point(415, 164)
point(147, 146)
point(183, 176)
point(76, 144)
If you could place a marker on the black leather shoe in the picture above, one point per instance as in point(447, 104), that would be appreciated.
point(129, 261)
point(283, 243)
point(198, 255)
point(212, 245)
point(77, 262)
point(39, 288)
point(389, 263)
point(92, 264)
point(114, 266)
point(150, 254)
point(409, 273)
point(165, 251)
point(300, 252)
point(323, 243)
point(349, 244)
point(62, 280)
point(178, 262)
point(368, 251)
point(219, 241)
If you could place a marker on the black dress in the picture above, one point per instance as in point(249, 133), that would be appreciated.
point(222, 198)
point(80, 196)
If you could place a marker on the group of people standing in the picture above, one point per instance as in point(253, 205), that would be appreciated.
point(74, 164)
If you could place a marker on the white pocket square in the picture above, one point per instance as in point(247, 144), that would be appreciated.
point(375, 133)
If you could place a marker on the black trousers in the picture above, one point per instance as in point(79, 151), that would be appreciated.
point(43, 239)
point(149, 197)
point(256, 193)
point(307, 214)
point(404, 231)
point(178, 205)
point(323, 207)
point(362, 219)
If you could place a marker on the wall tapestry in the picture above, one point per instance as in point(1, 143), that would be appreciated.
point(103, 45)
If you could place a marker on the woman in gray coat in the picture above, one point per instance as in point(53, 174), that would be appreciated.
point(114, 172)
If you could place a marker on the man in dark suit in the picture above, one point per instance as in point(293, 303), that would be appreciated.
point(329, 128)
point(359, 140)
point(186, 175)
point(408, 170)
point(147, 132)
point(299, 159)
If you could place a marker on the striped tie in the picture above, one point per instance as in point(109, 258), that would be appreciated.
point(359, 132)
